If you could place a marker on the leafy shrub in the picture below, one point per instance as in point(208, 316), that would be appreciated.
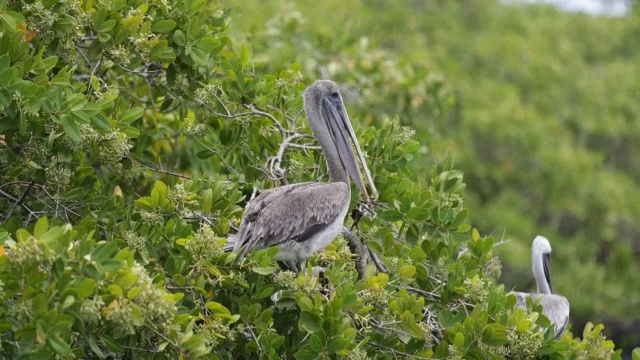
point(132, 135)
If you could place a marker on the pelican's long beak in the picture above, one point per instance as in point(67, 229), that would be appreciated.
point(341, 130)
point(546, 265)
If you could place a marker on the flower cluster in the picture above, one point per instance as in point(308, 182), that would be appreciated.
point(216, 333)
point(307, 284)
point(157, 308)
point(205, 244)
point(524, 345)
point(378, 298)
point(453, 201)
point(58, 177)
point(475, 290)
point(151, 218)
point(114, 146)
point(29, 252)
point(194, 130)
point(357, 354)
point(119, 54)
point(90, 310)
point(501, 351)
point(135, 242)
point(402, 135)
point(204, 96)
point(120, 313)
point(492, 268)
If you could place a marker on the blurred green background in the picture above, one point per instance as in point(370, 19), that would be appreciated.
point(538, 106)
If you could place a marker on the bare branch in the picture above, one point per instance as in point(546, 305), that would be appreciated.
point(17, 202)
point(230, 169)
point(159, 170)
point(268, 116)
point(426, 294)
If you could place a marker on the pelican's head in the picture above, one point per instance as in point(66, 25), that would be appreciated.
point(541, 264)
point(541, 245)
point(330, 123)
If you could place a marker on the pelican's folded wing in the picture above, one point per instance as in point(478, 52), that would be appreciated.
point(290, 213)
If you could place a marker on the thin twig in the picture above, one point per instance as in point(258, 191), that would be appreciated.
point(17, 202)
point(423, 293)
point(218, 155)
point(268, 116)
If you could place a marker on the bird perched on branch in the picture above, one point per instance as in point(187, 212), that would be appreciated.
point(554, 307)
point(303, 218)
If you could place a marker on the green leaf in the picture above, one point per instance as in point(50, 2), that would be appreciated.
point(158, 49)
point(218, 309)
point(199, 57)
point(306, 353)
point(179, 38)
point(5, 326)
point(12, 18)
point(264, 270)
point(338, 343)
point(245, 53)
point(304, 302)
point(495, 335)
point(68, 301)
point(164, 26)
point(418, 213)
point(407, 272)
point(86, 288)
point(375, 247)
point(635, 355)
point(42, 225)
point(54, 236)
point(101, 122)
point(208, 44)
point(115, 290)
point(49, 62)
point(207, 201)
point(309, 322)
point(95, 348)
point(266, 292)
point(178, 280)
point(5, 61)
point(132, 115)
point(70, 128)
point(105, 251)
point(104, 37)
point(59, 346)
point(107, 26)
point(127, 280)
point(460, 218)
point(144, 203)
point(458, 341)
point(391, 215)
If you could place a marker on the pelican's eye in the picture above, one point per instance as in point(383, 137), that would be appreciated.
point(335, 95)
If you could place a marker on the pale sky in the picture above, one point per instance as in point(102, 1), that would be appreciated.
point(593, 7)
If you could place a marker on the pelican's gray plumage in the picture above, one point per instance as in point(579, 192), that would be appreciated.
point(554, 307)
point(303, 218)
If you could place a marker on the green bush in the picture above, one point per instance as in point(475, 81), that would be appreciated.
point(132, 135)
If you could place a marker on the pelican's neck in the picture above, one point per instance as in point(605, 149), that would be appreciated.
point(538, 272)
point(337, 172)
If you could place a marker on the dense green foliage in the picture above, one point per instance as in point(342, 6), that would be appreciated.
point(539, 108)
point(132, 133)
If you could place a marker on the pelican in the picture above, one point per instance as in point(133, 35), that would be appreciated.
point(303, 218)
point(554, 307)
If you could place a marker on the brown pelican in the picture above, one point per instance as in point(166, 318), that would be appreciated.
point(554, 307)
point(303, 218)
